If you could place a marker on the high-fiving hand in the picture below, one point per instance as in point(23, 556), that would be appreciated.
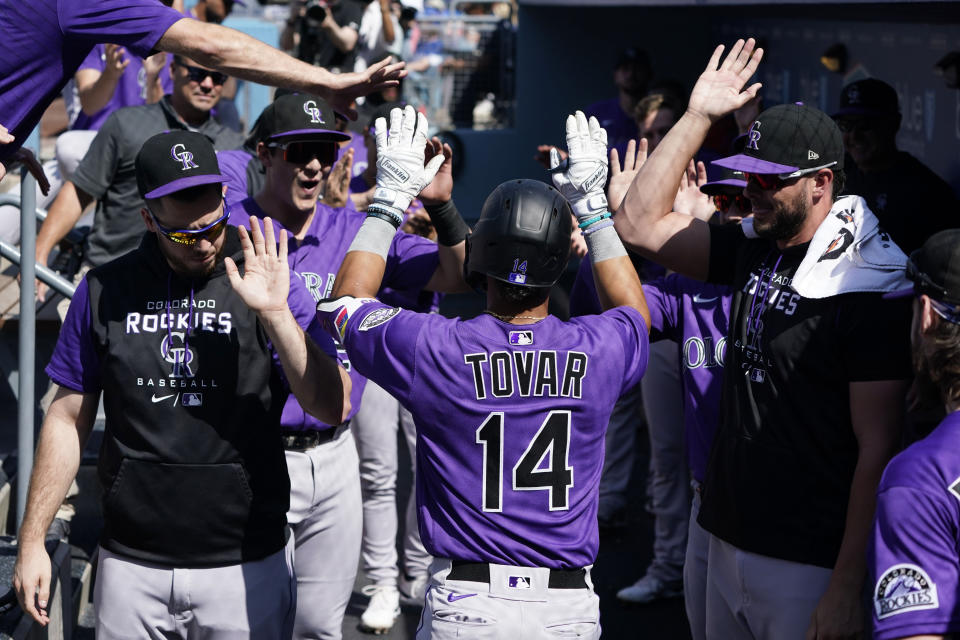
point(720, 88)
point(266, 276)
point(583, 179)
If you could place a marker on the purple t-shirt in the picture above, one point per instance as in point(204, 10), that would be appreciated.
point(359, 153)
point(411, 262)
point(46, 40)
point(233, 167)
point(913, 552)
point(621, 127)
point(75, 363)
point(131, 87)
point(510, 422)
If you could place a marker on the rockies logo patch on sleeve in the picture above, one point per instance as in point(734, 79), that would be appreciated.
point(378, 317)
point(903, 588)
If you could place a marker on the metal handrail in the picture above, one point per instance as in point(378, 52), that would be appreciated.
point(73, 235)
point(45, 274)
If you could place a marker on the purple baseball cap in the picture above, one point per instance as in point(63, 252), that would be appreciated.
point(299, 116)
point(789, 140)
point(723, 180)
point(175, 160)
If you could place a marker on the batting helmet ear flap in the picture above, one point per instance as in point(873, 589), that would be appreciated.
point(476, 281)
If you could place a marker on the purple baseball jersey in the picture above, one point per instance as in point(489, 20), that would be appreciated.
point(131, 87)
point(913, 552)
point(411, 262)
point(510, 422)
point(233, 167)
point(359, 153)
point(46, 40)
point(621, 127)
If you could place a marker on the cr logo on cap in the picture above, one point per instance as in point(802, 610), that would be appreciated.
point(310, 108)
point(753, 136)
point(180, 154)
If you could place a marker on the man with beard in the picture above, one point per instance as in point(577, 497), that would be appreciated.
point(816, 362)
point(195, 540)
point(913, 562)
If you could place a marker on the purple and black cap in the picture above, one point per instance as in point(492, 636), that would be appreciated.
point(869, 97)
point(176, 160)
point(934, 270)
point(789, 140)
point(298, 116)
point(723, 180)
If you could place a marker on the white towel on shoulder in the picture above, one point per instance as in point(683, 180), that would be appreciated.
point(848, 253)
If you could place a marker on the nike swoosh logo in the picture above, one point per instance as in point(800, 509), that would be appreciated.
point(155, 399)
point(698, 300)
point(454, 597)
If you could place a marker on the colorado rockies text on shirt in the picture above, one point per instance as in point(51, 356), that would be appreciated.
point(178, 316)
point(535, 372)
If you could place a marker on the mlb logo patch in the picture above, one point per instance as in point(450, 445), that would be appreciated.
point(519, 582)
point(192, 400)
point(521, 338)
point(517, 278)
point(757, 375)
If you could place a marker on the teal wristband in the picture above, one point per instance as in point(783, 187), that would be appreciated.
point(587, 223)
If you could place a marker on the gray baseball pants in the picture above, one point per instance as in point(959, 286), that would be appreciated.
point(375, 430)
point(253, 600)
point(668, 484)
point(326, 519)
point(481, 611)
point(695, 571)
point(754, 597)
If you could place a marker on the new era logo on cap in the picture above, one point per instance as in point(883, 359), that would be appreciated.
point(812, 155)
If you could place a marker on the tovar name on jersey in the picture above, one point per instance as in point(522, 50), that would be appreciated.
point(535, 372)
point(179, 315)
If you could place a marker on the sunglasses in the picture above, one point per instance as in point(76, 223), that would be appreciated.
point(199, 75)
point(190, 237)
point(304, 152)
point(776, 181)
point(723, 201)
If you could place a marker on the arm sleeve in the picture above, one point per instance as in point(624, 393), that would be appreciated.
point(725, 241)
point(913, 530)
point(875, 338)
point(135, 24)
point(411, 262)
point(627, 324)
point(381, 340)
point(583, 295)
point(663, 303)
point(96, 171)
point(75, 363)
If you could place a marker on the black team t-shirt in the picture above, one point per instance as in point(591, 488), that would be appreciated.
point(780, 470)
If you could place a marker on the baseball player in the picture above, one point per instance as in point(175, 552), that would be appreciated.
point(914, 552)
point(297, 142)
point(195, 542)
point(510, 406)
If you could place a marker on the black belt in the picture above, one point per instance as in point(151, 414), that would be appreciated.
point(480, 572)
point(301, 440)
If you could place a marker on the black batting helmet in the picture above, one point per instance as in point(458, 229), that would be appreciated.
point(522, 236)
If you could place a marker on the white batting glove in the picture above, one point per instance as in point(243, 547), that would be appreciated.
point(584, 177)
point(401, 174)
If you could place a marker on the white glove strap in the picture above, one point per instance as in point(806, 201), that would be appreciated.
point(590, 206)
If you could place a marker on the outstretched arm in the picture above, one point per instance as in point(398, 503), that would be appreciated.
point(645, 219)
point(237, 54)
point(321, 386)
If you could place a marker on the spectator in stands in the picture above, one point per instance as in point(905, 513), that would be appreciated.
point(379, 35)
point(216, 11)
point(106, 174)
point(324, 34)
point(911, 201)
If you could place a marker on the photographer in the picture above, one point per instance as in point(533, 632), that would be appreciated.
point(324, 32)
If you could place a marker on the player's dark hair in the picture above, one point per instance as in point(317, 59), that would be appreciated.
point(938, 364)
point(839, 182)
point(518, 294)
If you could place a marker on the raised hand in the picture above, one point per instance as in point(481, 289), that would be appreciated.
point(336, 188)
point(402, 170)
point(344, 88)
point(720, 88)
point(582, 180)
point(622, 178)
point(116, 62)
point(266, 276)
point(440, 189)
point(690, 199)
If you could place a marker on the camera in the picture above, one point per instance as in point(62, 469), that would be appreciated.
point(316, 9)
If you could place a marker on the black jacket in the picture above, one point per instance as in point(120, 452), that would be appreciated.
point(191, 464)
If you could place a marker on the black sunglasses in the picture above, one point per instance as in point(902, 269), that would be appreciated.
point(304, 151)
point(199, 75)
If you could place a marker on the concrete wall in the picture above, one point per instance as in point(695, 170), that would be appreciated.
point(565, 57)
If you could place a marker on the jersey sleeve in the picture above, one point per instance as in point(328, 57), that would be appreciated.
point(411, 262)
point(75, 363)
point(135, 24)
point(875, 341)
point(627, 324)
point(380, 340)
point(725, 242)
point(912, 559)
point(664, 308)
point(305, 311)
point(96, 171)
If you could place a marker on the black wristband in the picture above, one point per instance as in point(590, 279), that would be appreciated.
point(451, 229)
point(383, 215)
